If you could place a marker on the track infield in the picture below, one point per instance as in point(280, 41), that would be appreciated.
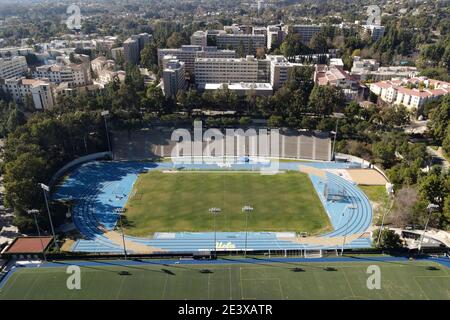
point(179, 202)
point(263, 280)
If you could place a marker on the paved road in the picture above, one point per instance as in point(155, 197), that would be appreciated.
point(439, 155)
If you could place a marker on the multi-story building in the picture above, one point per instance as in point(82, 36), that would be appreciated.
point(15, 51)
point(375, 31)
point(173, 78)
point(369, 69)
point(21, 89)
point(306, 31)
point(223, 70)
point(280, 70)
point(336, 76)
point(102, 63)
point(131, 51)
point(275, 36)
point(188, 54)
point(133, 46)
point(117, 53)
point(75, 75)
point(13, 67)
point(198, 38)
point(242, 88)
point(249, 42)
point(412, 92)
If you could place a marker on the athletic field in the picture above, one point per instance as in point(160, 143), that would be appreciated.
point(233, 280)
point(179, 201)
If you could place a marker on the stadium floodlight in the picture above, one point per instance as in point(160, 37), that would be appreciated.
point(390, 190)
point(120, 212)
point(431, 208)
point(246, 209)
point(46, 189)
point(104, 114)
point(35, 213)
point(215, 212)
point(350, 206)
point(338, 116)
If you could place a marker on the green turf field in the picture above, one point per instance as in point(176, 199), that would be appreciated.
point(171, 202)
point(399, 280)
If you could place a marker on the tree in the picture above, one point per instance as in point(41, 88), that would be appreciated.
point(389, 239)
point(318, 43)
point(326, 99)
point(275, 121)
point(149, 56)
point(405, 202)
point(175, 40)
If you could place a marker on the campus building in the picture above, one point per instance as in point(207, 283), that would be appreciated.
point(73, 74)
point(412, 92)
point(336, 76)
point(173, 77)
point(38, 91)
point(188, 54)
point(133, 46)
point(375, 31)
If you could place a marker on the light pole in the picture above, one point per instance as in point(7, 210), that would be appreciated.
point(120, 211)
point(338, 116)
point(35, 212)
point(390, 188)
point(350, 206)
point(246, 210)
point(214, 212)
point(46, 189)
point(104, 114)
point(431, 207)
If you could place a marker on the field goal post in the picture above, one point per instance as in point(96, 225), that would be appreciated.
point(311, 253)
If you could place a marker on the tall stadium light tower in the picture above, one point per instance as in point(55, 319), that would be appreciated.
point(350, 206)
point(120, 212)
point(431, 208)
point(390, 190)
point(215, 212)
point(104, 114)
point(35, 213)
point(337, 116)
point(246, 209)
point(46, 189)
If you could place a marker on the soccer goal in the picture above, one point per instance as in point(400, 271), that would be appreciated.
point(334, 193)
point(313, 253)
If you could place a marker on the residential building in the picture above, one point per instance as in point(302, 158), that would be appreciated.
point(336, 76)
point(13, 67)
point(75, 74)
point(249, 42)
point(173, 78)
point(412, 92)
point(375, 31)
point(21, 89)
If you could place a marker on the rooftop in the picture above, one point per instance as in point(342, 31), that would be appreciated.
point(29, 244)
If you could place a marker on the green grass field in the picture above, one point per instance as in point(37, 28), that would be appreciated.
point(176, 202)
point(312, 280)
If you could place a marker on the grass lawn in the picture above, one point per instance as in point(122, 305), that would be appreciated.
point(379, 199)
point(171, 202)
point(310, 280)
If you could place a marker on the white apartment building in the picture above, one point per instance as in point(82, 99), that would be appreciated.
point(39, 91)
point(412, 92)
point(173, 78)
point(13, 67)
